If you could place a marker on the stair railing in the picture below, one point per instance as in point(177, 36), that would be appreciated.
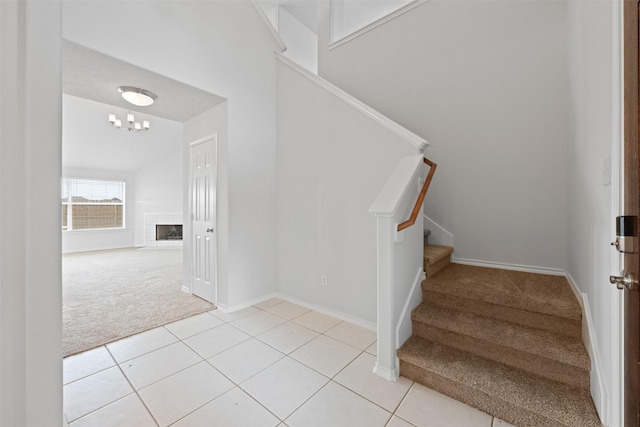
point(423, 192)
point(399, 258)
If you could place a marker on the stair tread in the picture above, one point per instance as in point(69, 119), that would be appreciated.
point(533, 292)
point(434, 253)
point(543, 343)
point(560, 403)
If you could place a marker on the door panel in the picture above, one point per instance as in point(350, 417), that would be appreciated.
point(632, 208)
point(203, 283)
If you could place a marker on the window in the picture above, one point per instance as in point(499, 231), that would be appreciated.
point(92, 204)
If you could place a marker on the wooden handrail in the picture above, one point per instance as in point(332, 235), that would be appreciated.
point(423, 192)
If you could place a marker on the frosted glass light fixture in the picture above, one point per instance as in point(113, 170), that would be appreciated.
point(137, 96)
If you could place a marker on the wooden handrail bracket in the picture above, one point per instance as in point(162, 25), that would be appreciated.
point(423, 192)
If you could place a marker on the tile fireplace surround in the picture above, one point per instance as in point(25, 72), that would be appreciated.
point(153, 219)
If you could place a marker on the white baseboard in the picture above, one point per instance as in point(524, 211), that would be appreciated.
point(598, 387)
point(232, 308)
point(438, 236)
point(505, 266)
point(330, 312)
point(404, 326)
point(387, 374)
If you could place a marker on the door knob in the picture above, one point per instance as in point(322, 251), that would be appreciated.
point(624, 281)
point(209, 230)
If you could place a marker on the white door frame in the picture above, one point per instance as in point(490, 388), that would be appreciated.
point(615, 404)
point(190, 215)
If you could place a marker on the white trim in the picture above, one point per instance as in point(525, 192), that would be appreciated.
point(375, 24)
point(506, 266)
point(576, 291)
point(404, 325)
point(394, 190)
point(329, 312)
point(281, 46)
point(439, 235)
point(230, 309)
point(616, 398)
point(598, 387)
point(386, 373)
point(386, 122)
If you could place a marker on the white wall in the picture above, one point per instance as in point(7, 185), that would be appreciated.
point(486, 83)
point(349, 16)
point(30, 169)
point(222, 47)
point(159, 190)
point(92, 240)
point(332, 162)
point(162, 180)
point(89, 142)
point(590, 226)
point(301, 42)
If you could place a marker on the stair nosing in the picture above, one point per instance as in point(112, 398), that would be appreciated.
point(488, 387)
point(579, 360)
point(517, 307)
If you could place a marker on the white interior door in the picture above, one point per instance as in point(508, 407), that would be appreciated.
point(203, 218)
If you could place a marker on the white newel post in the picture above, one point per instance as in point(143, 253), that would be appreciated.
point(398, 259)
point(387, 362)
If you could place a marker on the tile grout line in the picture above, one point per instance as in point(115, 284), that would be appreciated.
point(206, 360)
point(331, 379)
point(135, 391)
point(238, 385)
point(93, 373)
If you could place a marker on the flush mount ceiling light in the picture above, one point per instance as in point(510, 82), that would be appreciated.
point(137, 96)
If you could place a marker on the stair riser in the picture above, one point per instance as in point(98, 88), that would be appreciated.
point(431, 269)
point(509, 314)
point(535, 364)
point(498, 408)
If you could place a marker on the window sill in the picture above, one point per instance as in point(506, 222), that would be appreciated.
point(97, 230)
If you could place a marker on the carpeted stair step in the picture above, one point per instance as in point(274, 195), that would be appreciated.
point(436, 258)
point(544, 353)
point(528, 299)
point(511, 394)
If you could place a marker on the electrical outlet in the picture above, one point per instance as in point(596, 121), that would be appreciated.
point(323, 280)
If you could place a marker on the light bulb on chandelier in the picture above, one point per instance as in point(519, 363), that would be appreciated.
point(136, 96)
point(132, 124)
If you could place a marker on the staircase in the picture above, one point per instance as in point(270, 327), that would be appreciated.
point(505, 342)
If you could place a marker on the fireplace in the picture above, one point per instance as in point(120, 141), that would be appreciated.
point(168, 231)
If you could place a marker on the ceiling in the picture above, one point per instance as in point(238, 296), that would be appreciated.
point(89, 84)
point(92, 75)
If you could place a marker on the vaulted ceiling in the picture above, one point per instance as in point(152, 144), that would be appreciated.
point(90, 82)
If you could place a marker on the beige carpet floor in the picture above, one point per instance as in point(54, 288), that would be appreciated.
point(108, 295)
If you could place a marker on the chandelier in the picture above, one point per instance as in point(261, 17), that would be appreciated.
point(138, 97)
point(131, 123)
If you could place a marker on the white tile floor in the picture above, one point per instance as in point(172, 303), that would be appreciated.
point(274, 364)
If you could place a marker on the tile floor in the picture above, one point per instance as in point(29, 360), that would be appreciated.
point(273, 364)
